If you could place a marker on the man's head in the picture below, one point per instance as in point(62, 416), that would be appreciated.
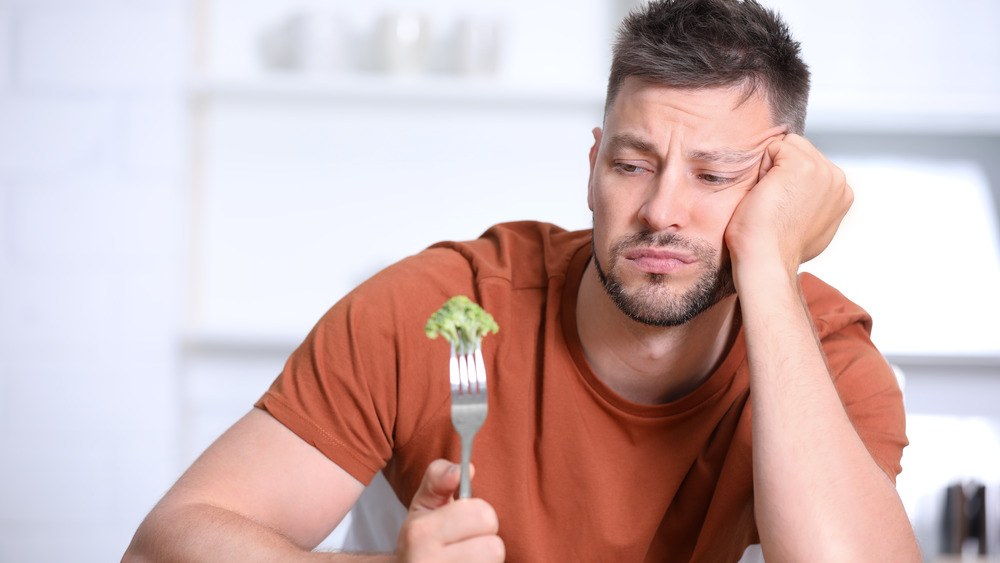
point(694, 44)
point(698, 90)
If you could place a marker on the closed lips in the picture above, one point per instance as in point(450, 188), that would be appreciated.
point(654, 254)
point(659, 261)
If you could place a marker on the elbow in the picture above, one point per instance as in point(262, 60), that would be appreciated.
point(140, 550)
point(144, 545)
point(135, 553)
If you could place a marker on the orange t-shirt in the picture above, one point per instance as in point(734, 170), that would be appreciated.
point(575, 472)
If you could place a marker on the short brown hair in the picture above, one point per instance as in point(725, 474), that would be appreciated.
point(714, 43)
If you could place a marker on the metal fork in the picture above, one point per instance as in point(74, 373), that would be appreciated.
point(468, 403)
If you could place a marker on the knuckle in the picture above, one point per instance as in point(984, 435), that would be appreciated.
point(839, 176)
point(809, 167)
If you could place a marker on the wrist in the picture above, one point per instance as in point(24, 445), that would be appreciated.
point(762, 271)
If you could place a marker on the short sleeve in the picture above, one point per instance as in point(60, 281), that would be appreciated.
point(864, 379)
point(871, 395)
point(339, 390)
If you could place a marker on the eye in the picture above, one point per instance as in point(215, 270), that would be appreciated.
point(714, 180)
point(628, 168)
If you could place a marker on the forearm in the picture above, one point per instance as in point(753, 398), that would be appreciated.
point(200, 532)
point(819, 495)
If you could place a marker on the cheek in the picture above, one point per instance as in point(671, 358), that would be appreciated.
point(613, 201)
point(605, 223)
point(601, 206)
point(601, 225)
point(715, 213)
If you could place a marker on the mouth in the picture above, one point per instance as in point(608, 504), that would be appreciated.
point(658, 260)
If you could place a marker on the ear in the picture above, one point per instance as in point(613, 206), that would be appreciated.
point(593, 166)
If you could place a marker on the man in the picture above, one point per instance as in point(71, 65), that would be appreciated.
point(665, 388)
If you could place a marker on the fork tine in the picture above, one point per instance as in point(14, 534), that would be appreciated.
point(463, 371)
point(480, 370)
point(453, 371)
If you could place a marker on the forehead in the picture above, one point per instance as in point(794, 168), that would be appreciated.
point(661, 112)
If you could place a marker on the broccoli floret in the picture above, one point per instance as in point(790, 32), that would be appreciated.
point(461, 322)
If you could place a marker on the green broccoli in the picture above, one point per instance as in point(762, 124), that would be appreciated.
point(461, 322)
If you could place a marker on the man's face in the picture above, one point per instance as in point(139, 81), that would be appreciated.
point(666, 174)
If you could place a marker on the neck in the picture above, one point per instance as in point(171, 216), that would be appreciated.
point(647, 364)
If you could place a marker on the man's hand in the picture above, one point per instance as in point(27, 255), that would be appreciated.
point(440, 528)
point(794, 210)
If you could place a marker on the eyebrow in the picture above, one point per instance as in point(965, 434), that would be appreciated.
point(629, 141)
point(724, 156)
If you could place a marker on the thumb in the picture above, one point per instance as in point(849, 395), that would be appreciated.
point(770, 155)
point(438, 486)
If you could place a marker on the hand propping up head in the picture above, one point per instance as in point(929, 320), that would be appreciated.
point(793, 211)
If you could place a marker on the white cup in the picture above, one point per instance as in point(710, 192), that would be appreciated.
point(309, 41)
point(477, 47)
point(404, 43)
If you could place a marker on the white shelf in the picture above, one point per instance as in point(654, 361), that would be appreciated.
point(985, 360)
point(219, 340)
point(240, 342)
point(829, 112)
point(443, 89)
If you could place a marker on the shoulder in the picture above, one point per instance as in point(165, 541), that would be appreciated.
point(525, 253)
point(511, 256)
point(864, 379)
point(831, 311)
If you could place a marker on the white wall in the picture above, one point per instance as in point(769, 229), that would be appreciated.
point(93, 189)
point(108, 384)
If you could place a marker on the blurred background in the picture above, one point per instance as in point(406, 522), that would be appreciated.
point(187, 185)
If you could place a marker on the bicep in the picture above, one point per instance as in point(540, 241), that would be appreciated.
point(263, 471)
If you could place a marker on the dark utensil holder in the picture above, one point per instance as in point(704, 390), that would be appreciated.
point(964, 518)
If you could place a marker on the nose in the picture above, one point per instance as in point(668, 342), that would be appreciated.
point(666, 206)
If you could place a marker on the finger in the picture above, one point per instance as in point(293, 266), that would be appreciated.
point(487, 549)
point(766, 162)
point(465, 519)
point(438, 486)
point(771, 151)
point(432, 533)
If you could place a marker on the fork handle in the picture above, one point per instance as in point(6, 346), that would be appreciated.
point(465, 484)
